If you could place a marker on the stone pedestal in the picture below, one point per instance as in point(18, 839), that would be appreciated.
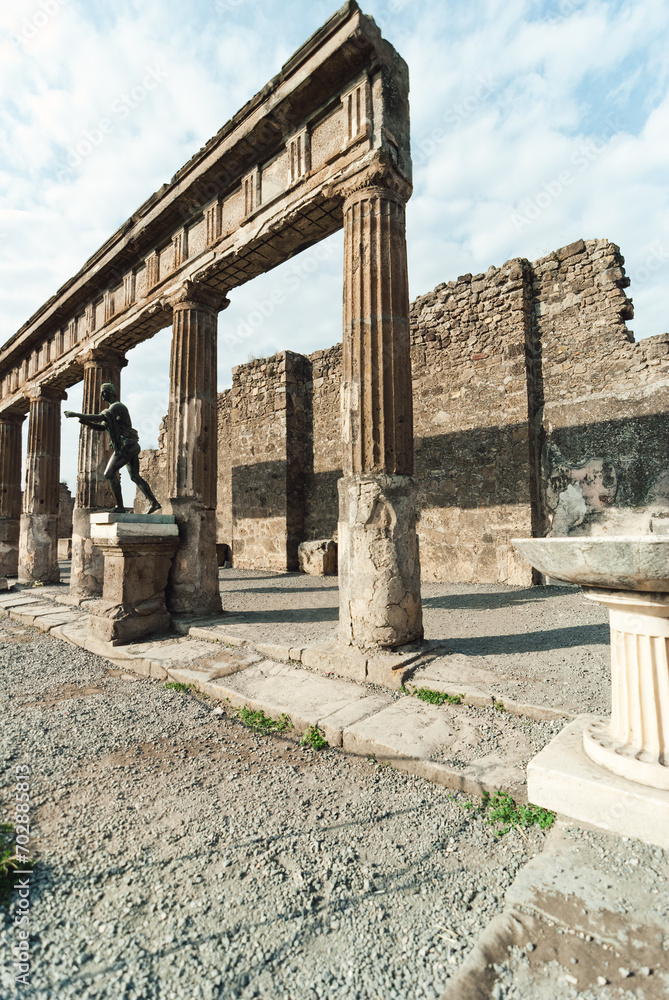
point(634, 742)
point(379, 569)
point(192, 448)
point(38, 538)
point(10, 491)
point(137, 551)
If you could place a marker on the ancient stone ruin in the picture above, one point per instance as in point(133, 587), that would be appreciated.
point(534, 412)
point(324, 146)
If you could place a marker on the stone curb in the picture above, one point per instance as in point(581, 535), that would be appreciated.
point(280, 680)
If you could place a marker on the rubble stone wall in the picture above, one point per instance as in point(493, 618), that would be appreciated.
point(526, 380)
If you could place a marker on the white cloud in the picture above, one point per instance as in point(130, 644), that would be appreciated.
point(506, 96)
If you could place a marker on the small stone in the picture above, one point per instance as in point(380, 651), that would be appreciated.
point(625, 973)
point(571, 979)
point(602, 980)
point(529, 946)
point(645, 971)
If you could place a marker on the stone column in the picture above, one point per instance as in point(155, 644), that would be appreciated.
point(93, 493)
point(38, 541)
point(10, 491)
point(191, 449)
point(379, 569)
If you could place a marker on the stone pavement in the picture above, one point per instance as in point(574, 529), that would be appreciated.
point(355, 699)
point(586, 918)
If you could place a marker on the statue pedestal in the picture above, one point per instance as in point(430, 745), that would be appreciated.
point(137, 550)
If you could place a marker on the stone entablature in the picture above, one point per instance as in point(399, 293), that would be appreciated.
point(266, 186)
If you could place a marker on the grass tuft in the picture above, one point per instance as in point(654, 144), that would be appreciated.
point(261, 722)
point(314, 738)
point(180, 687)
point(505, 814)
point(9, 862)
point(438, 697)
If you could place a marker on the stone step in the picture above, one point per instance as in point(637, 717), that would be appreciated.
point(440, 743)
point(571, 924)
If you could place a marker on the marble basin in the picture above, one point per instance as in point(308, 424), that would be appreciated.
point(622, 562)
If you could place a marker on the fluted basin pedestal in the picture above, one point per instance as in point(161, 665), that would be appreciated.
point(634, 742)
point(614, 773)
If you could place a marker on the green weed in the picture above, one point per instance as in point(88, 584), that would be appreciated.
point(180, 687)
point(261, 722)
point(438, 697)
point(314, 738)
point(9, 861)
point(505, 814)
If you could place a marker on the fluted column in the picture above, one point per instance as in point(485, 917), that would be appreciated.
point(192, 448)
point(379, 570)
point(93, 493)
point(10, 491)
point(38, 542)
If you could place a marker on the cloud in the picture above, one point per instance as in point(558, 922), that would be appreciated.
point(554, 112)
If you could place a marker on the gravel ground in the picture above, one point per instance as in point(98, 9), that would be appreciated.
point(185, 856)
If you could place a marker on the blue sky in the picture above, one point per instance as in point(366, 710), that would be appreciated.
point(533, 124)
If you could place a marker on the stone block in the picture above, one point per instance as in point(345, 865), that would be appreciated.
point(87, 569)
point(137, 557)
point(562, 777)
point(193, 580)
point(64, 549)
point(336, 658)
point(4, 583)
point(9, 546)
point(418, 738)
point(318, 558)
point(38, 549)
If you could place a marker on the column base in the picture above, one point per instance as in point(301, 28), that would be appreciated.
point(38, 549)
point(379, 566)
point(87, 573)
point(564, 778)
point(620, 758)
point(9, 546)
point(193, 582)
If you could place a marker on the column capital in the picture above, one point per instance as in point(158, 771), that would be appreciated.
point(379, 175)
point(195, 294)
point(12, 417)
point(48, 392)
point(103, 356)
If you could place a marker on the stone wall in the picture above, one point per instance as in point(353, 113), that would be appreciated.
point(471, 432)
point(153, 468)
point(268, 451)
point(65, 508)
point(528, 388)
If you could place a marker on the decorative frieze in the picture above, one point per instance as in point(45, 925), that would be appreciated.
point(152, 270)
point(129, 289)
point(180, 248)
point(252, 188)
point(108, 306)
point(212, 221)
point(357, 110)
point(299, 155)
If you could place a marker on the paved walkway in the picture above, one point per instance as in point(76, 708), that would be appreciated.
point(275, 650)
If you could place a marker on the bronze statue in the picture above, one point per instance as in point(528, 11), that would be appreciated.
point(125, 442)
